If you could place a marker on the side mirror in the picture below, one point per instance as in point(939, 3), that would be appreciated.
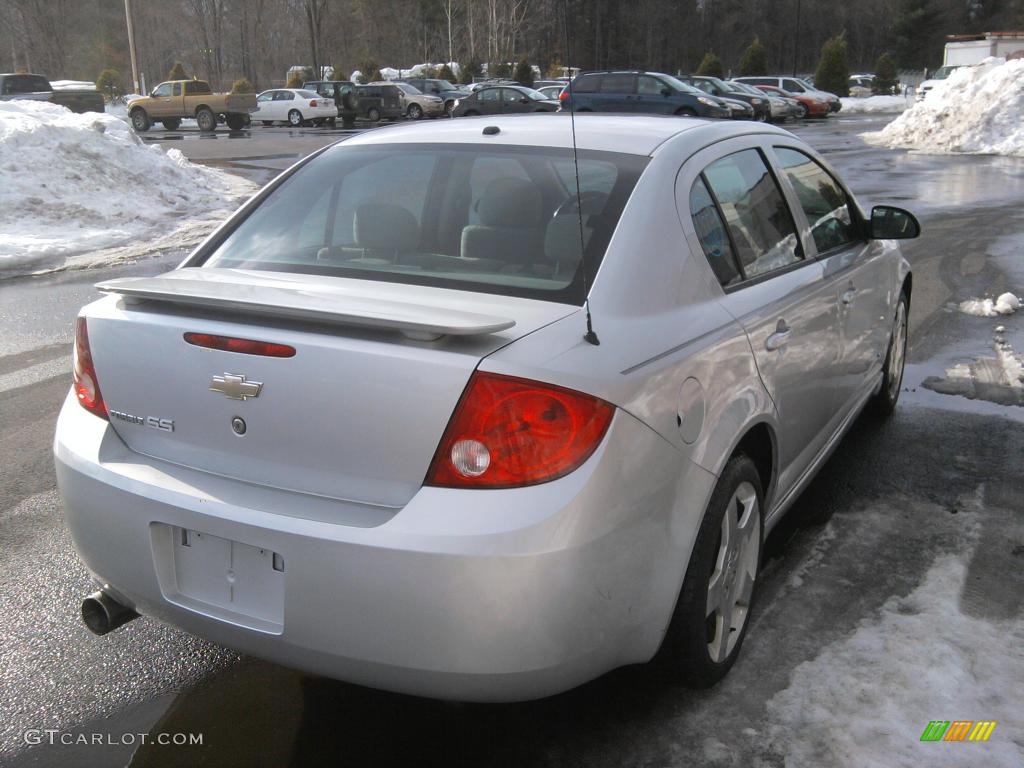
point(666, 92)
point(891, 223)
point(524, 100)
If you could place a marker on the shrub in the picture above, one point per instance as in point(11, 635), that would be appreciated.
point(295, 80)
point(503, 70)
point(755, 60)
point(711, 66)
point(885, 75)
point(524, 73)
point(242, 85)
point(369, 72)
point(109, 84)
point(177, 72)
point(446, 74)
point(833, 73)
point(470, 70)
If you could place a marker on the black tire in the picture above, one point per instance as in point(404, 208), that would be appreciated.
point(684, 655)
point(414, 112)
point(884, 403)
point(140, 120)
point(686, 112)
point(206, 119)
point(448, 107)
point(171, 123)
point(373, 115)
point(801, 111)
point(267, 122)
point(295, 118)
point(235, 122)
point(330, 122)
point(470, 113)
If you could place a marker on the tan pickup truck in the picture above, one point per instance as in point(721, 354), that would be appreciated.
point(176, 99)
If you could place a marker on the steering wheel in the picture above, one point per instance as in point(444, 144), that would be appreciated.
point(575, 203)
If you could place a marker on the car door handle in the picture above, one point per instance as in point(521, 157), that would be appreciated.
point(779, 339)
point(848, 295)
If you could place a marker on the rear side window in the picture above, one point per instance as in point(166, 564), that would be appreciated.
point(25, 84)
point(618, 84)
point(761, 80)
point(712, 235)
point(491, 219)
point(823, 201)
point(759, 223)
point(586, 84)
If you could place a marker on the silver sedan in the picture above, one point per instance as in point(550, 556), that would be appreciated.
point(469, 410)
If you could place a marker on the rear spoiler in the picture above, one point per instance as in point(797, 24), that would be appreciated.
point(297, 297)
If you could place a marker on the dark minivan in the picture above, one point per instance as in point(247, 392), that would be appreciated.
point(380, 101)
point(640, 92)
point(344, 94)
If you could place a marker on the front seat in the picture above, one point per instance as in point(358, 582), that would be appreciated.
point(383, 231)
point(510, 212)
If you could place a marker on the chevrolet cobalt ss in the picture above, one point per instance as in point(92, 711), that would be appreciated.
point(466, 411)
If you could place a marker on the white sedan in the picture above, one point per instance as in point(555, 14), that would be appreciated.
point(294, 106)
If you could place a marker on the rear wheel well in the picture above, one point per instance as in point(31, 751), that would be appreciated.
point(759, 446)
point(200, 108)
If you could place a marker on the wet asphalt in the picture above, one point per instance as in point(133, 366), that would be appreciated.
point(891, 499)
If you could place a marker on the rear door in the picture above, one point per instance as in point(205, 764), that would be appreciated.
point(855, 264)
point(783, 299)
point(489, 101)
point(618, 93)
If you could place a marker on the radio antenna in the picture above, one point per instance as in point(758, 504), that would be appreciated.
point(590, 336)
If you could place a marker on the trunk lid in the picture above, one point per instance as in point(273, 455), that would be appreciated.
point(355, 414)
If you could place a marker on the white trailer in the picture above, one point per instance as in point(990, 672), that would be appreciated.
point(973, 49)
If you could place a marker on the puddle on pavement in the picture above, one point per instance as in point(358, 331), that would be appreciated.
point(998, 379)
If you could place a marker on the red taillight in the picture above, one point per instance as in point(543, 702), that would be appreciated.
point(508, 432)
point(563, 95)
point(245, 346)
point(87, 386)
point(312, 102)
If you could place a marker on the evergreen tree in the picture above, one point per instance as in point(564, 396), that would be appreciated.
point(918, 39)
point(177, 72)
point(833, 73)
point(109, 84)
point(469, 70)
point(369, 72)
point(242, 85)
point(524, 73)
point(885, 75)
point(755, 60)
point(446, 74)
point(711, 66)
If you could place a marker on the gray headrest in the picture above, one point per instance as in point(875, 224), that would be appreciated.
point(386, 227)
point(510, 202)
point(562, 241)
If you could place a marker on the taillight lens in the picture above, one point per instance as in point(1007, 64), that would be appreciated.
point(244, 346)
point(508, 432)
point(87, 386)
point(312, 102)
point(564, 95)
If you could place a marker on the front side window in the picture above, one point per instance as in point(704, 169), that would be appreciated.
point(162, 91)
point(649, 85)
point(823, 201)
point(714, 240)
point(268, 96)
point(759, 222)
point(793, 86)
point(493, 219)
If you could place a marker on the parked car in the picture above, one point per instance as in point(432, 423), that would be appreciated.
point(436, 87)
point(731, 91)
point(781, 108)
point(797, 87)
point(739, 110)
point(295, 106)
point(78, 97)
point(861, 86)
point(934, 79)
point(551, 91)
point(175, 100)
point(364, 430)
point(418, 104)
point(342, 92)
point(643, 92)
point(381, 101)
point(808, 106)
point(502, 100)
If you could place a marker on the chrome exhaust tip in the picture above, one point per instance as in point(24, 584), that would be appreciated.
point(102, 613)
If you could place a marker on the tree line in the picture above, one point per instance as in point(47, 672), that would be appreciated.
point(259, 40)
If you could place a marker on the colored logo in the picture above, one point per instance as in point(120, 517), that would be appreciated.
point(958, 730)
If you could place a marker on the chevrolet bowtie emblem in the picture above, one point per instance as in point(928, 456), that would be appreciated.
point(235, 386)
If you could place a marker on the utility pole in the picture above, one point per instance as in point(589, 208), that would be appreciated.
point(131, 45)
point(796, 40)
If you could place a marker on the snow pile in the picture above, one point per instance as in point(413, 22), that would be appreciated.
point(76, 183)
point(1005, 304)
point(866, 701)
point(975, 110)
point(874, 104)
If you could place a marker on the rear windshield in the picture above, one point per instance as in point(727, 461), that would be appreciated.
point(25, 84)
point(307, 94)
point(503, 220)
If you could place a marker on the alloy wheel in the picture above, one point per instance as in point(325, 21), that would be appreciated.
point(898, 350)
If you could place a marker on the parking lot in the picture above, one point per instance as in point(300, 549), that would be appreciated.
point(902, 516)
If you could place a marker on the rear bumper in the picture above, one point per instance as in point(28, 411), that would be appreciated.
point(467, 595)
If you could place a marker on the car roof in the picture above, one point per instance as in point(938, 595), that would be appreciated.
point(626, 134)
